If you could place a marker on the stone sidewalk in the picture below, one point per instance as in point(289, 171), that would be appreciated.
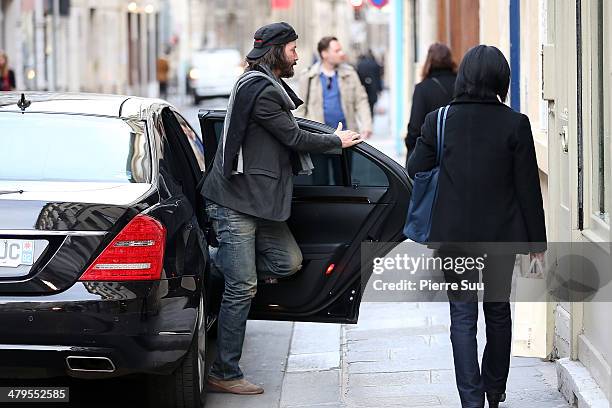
point(399, 355)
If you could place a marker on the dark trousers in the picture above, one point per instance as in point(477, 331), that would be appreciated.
point(472, 381)
point(163, 90)
point(249, 248)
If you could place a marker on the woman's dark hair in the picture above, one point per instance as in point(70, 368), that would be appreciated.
point(484, 73)
point(439, 56)
point(274, 59)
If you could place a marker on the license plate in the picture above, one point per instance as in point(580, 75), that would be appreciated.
point(16, 252)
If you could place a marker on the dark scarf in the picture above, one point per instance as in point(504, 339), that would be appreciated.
point(246, 91)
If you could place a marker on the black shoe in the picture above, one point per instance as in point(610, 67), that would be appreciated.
point(495, 398)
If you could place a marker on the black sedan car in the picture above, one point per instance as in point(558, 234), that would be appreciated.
point(103, 259)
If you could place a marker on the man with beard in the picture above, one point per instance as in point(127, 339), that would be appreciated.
point(249, 188)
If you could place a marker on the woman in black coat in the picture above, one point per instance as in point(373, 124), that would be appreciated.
point(489, 192)
point(435, 90)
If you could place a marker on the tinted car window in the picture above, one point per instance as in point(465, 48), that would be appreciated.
point(364, 172)
point(327, 171)
point(178, 165)
point(50, 147)
point(195, 141)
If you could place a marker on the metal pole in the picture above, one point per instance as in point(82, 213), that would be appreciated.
point(400, 72)
point(39, 41)
point(144, 47)
point(185, 52)
point(55, 50)
point(515, 54)
point(152, 62)
point(3, 40)
point(18, 59)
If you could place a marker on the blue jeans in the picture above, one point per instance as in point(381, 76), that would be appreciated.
point(472, 382)
point(249, 248)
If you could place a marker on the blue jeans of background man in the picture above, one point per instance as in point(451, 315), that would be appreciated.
point(249, 248)
point(472, 381)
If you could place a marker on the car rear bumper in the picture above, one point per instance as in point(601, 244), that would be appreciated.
point(141, 327)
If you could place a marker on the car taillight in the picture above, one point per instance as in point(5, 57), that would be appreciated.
point(137, 253)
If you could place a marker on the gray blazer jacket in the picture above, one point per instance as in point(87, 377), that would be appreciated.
point(265, 188)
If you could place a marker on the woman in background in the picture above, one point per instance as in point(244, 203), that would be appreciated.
point(7, 76)
point(435, 90)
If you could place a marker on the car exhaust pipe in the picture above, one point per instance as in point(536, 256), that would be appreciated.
point(90, 364)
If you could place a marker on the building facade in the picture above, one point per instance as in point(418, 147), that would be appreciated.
point(232, 24)
point(82, 45)
point(112, 46)
point(577, 70)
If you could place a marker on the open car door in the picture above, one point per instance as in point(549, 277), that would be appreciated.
point(358, 196)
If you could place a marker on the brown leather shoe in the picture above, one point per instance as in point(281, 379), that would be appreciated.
point(240, 387)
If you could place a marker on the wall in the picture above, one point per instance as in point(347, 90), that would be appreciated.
point(594, 345)
point(459, 24)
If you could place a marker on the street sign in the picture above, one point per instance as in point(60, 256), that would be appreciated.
point(281, 4)
point(379, 3)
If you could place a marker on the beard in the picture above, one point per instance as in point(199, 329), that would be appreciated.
point(286, 69)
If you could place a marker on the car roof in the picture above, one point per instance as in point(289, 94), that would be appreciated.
point(120, 106)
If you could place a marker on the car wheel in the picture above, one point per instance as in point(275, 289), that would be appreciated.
point(186, 386)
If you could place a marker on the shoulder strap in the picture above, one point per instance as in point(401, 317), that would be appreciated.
point(440, 85)
point(442, 113)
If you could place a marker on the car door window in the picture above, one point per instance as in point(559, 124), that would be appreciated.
point(170, 174)
point(327, 171)
point(178, 156)
point(364, 172)
point(194, 139)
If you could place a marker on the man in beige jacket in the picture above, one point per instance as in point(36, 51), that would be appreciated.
point(333, 93)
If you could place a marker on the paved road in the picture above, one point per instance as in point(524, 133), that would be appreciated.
point(399, 355)
point(190, 111)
